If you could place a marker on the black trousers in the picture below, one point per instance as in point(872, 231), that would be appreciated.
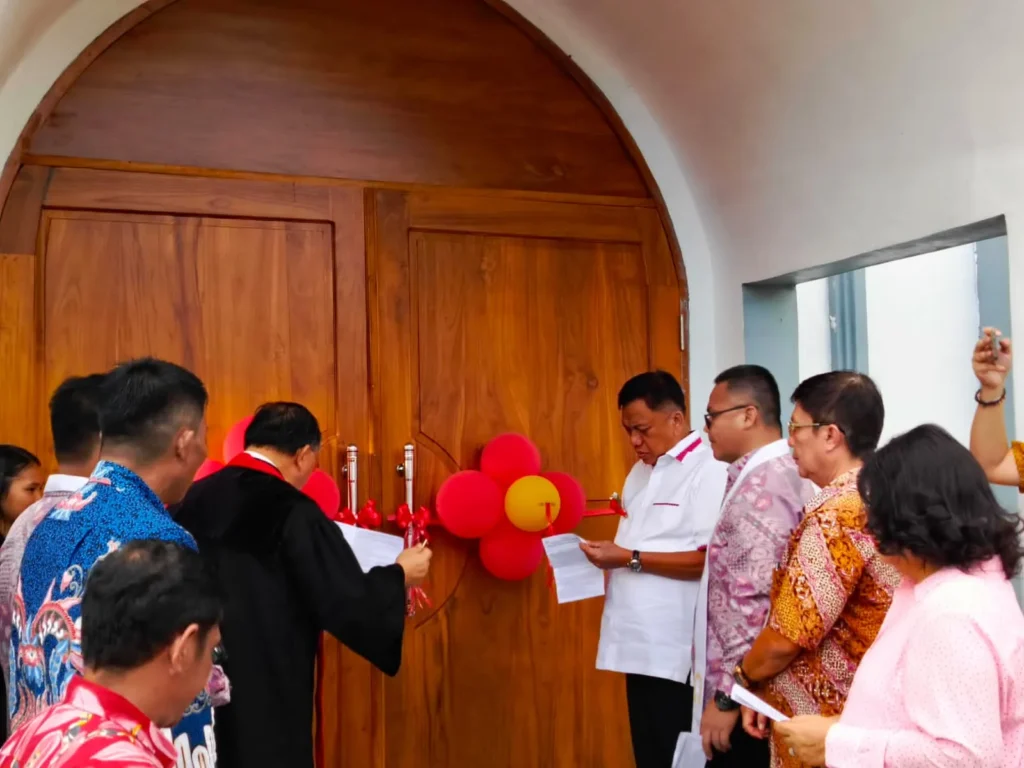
point(658, 710)
point(745, 751)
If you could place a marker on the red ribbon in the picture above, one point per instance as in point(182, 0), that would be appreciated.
point(414, 528)
point(368, 516)
point(614, 508)
point(346, 516)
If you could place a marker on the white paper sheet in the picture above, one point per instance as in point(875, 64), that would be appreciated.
point(689, 751)
point(372, 548)
point(749, 700)
point(576, 578)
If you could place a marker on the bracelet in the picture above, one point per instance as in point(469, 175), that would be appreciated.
point(989, 403)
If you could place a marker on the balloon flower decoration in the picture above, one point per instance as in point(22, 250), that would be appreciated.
point(510, 505)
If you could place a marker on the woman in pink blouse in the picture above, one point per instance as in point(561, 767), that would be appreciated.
point(943, 683)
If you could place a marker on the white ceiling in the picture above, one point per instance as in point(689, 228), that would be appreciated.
point(783, 134)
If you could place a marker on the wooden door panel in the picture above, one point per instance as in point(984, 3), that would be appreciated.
point(492, 317)
point(247, 305)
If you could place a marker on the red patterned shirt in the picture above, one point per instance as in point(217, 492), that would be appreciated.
point(93, 727)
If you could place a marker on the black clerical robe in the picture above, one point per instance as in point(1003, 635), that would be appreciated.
point(287, 574)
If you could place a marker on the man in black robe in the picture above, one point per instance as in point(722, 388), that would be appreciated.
point(288, 574)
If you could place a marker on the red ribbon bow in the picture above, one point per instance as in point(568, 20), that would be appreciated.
point(346, 516)
point(368, 516)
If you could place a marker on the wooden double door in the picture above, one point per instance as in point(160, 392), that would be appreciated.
point(430, 317)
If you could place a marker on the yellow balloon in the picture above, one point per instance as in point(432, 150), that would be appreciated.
point(532, 503)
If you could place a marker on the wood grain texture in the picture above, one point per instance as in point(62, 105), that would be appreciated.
point(247, 305)
point(77, 188)
point(482, 326)
point(20, 403)
point(19, 222)
point(445, 92)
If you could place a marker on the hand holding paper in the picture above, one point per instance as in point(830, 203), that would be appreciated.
point(576, 578)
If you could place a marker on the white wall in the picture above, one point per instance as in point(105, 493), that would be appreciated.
point(814, 328)
point(923, 320)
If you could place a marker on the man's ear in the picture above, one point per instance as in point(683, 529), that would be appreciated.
point(183, 649)
point(181, 441)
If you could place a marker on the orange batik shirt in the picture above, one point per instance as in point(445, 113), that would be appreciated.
point(829, 596)
point(1018, 457)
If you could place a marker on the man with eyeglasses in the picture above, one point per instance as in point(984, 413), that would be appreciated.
point(671, 499)
point(833, 588)
point(763, 502)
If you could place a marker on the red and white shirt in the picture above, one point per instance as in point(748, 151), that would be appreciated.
point(92, 727)
point(672, 506)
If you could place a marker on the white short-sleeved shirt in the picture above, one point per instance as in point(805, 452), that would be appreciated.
point(673, 506)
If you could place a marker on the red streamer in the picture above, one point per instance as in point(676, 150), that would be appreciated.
point(414, 528)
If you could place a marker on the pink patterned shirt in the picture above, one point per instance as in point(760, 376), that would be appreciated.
point(745, 549)
point(93, 727)
point(943, 683)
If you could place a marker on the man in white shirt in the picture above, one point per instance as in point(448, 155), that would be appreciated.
point(672, 498)
point(75, 427)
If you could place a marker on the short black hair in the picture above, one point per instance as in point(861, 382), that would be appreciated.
point(288, 427)
point(143, 402)
point(760, 386)
point(13, 459)
point(142, 596)
point(658, 389)
point(850, 401)
point(927, 496)
point(75, 417)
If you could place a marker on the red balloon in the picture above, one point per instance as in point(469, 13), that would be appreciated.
point(322, 489)
point(511, 554)
point(207, 468)
point(509, 457)
point(234, 443)
point(573, 501)
point(469, 504)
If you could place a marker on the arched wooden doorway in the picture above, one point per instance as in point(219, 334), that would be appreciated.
point(411, 215)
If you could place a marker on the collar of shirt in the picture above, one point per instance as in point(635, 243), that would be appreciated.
point(124, 480)
point(257, 462)
point(104, 703)
point(990, 569)
point(64, 483)
point(733, 471)
point(680, 450)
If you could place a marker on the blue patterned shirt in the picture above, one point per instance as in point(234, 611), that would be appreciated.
point(113, 508)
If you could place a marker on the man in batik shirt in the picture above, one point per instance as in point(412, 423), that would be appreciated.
point(763, 502)
point(152, 416)
point(831, 594)
point(151, 615)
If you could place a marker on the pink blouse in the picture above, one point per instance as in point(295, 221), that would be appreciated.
point(942, 684)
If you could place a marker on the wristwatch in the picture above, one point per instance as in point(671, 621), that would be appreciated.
point(740, 676)
point(724, 703)
point(634, 563)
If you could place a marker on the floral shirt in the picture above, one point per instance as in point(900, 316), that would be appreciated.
point(745, 549)
point(93, 727)
point(830, 598)
point(114, 507)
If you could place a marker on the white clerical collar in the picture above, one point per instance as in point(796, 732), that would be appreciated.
point(261, 457)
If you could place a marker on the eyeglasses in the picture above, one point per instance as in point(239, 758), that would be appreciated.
point(793, 426)
point(710, 416)
point(219, 654)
